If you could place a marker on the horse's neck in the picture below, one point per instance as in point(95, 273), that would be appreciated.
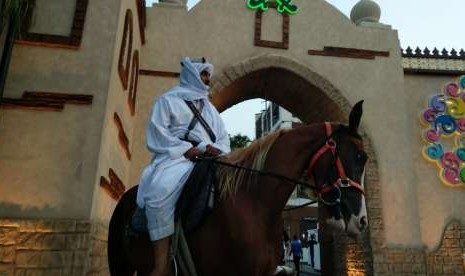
point(289, 157)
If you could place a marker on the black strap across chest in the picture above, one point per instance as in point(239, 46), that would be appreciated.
point(198, 118)
point(193, 122)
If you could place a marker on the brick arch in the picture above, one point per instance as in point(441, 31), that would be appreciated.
point(133, 83)
point(124, 60)
point(312, 98)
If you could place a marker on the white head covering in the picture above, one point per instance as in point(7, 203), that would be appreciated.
point(203, 67)
point(191, 86)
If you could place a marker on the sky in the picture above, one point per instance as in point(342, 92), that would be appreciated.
point(423, 23)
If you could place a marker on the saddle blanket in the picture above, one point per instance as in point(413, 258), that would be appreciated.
point(197, 199)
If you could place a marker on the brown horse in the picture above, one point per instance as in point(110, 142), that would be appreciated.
point(242, 235)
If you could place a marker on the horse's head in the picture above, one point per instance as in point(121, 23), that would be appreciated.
point(338, 170)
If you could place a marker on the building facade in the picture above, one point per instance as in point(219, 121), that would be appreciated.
point(272, 118)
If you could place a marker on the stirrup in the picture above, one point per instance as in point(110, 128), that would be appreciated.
point(179, 251)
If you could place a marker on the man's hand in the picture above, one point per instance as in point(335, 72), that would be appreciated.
point(192, 153)
point(212, 151)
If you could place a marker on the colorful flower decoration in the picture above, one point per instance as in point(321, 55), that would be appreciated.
point(444, 133)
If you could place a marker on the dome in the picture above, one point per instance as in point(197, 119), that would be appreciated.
point(365, 11)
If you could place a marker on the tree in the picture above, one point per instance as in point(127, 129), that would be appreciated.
point(239, 141)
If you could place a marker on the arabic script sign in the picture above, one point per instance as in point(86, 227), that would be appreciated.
point(284, 6)
point(444, 133)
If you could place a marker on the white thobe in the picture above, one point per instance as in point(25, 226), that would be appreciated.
point(162, 181)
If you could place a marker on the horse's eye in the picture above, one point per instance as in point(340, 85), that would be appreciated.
point(362, 156)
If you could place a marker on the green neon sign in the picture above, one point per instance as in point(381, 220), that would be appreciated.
point(258, 4)
point(284, 6)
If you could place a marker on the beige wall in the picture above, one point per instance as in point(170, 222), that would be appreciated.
point(48, 161)
point(149, 89)
point(111, 153)
point(437, 203)
point(223, 32)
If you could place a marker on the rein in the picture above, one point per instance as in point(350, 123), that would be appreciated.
point(274, 175)
point(265, 173)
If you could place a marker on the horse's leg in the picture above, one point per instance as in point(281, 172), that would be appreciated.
point(118, 261)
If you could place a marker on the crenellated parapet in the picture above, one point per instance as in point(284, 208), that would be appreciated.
point(425, 61)
point(435, 53)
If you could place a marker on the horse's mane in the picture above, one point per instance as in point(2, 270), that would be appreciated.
point(252, 157)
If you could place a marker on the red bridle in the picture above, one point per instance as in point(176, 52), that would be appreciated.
point(343, 181)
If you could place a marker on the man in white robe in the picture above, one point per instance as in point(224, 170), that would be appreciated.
point(163, 179)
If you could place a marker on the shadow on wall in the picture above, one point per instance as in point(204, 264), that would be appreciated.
point(13, 210)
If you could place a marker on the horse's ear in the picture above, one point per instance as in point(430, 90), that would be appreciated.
point(355, 116)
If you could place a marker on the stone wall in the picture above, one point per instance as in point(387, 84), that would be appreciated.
point(52, 247)
point(400, 262)
point(98, 251)
point(341, 255)
point(447, 259)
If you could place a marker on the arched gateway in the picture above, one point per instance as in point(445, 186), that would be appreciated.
point(312, 98)
point(84, 75)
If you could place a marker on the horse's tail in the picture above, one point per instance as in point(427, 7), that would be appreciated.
point(118, 260)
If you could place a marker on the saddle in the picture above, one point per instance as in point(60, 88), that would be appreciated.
point(199, 196)
point(197, 199)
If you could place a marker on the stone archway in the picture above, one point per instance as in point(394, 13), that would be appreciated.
point(305, 77)
point(312, 98)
